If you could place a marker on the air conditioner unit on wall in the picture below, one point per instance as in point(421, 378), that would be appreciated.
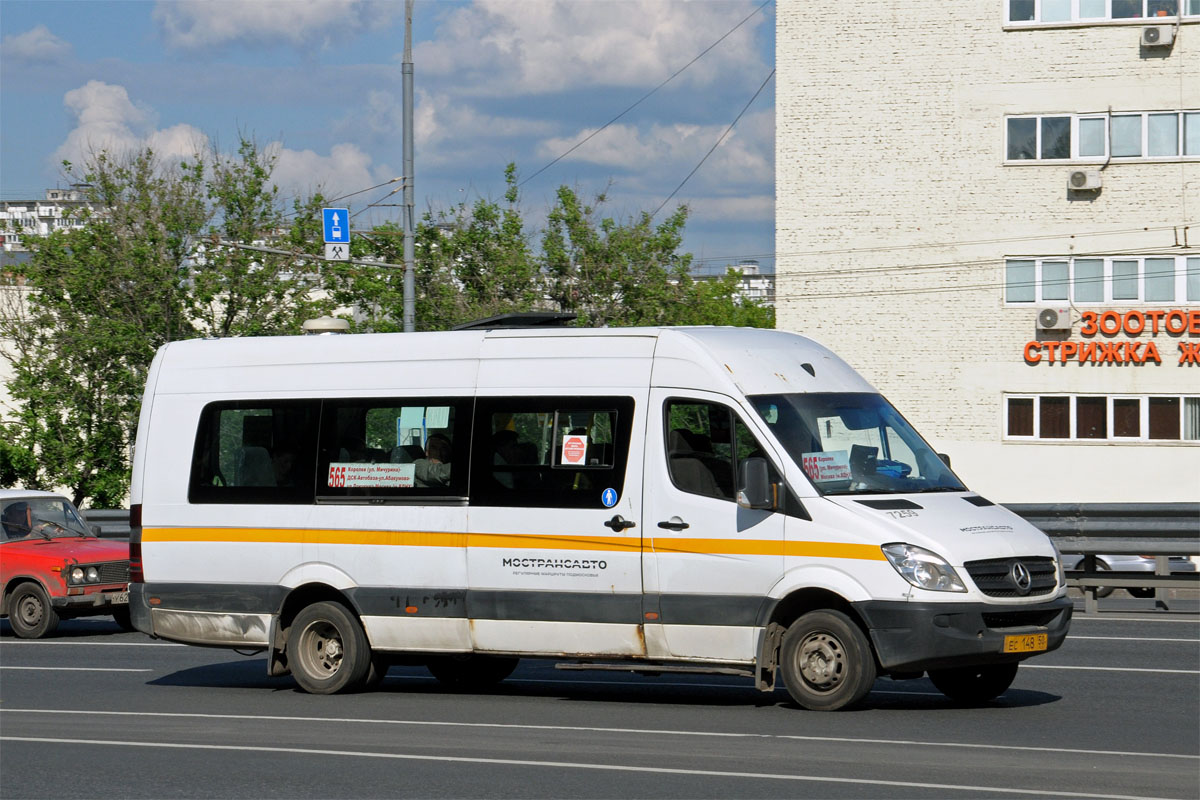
point(1158, 35)
point(1054, 319)
point(1084, 180)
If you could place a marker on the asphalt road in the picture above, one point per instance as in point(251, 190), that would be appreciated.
point(1115, 713)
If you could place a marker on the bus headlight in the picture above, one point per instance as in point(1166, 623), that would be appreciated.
point(922, 568)
point(1060, 574)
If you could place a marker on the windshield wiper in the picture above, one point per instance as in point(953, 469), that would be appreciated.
point(941, 489)
point(45, 523)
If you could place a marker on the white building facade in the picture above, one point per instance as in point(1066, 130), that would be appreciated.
point(992, 210)
point(22, 218)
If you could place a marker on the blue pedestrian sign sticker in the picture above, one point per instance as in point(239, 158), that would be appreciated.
point(337, 225)
point(609, 498)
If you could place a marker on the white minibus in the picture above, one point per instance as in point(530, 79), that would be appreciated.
point(660, 499)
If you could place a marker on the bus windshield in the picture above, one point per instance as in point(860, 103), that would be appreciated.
point(854, 443)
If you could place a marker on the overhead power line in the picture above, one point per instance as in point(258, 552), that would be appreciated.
point(352, 194)
point(963, 243)
point(639, 101)
point(716, 144)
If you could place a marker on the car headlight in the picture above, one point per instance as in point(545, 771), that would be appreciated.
point(77, 575)
point(93, 575)
point(922, 568)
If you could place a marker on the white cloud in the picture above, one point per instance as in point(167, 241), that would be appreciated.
point(438, 118)
point(537, 46)
point(745, 156)
point(199, 24)
point(304, 172)
point(750, 208)
point(36, 46)
point(107, 120)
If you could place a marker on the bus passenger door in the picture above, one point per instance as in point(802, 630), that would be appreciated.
point(554, 545)
point(709, 563)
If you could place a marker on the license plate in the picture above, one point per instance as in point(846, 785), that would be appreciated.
point(1029, 643)
point(118, 597)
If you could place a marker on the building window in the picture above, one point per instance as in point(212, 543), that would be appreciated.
point(1098, 137)
point(1020, 281)
point(1127, 280)
point(1193, 277)
point(1025, 12)
point(1103, 418)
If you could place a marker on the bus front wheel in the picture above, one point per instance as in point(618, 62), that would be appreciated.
point(328, 650)
point(826, 661)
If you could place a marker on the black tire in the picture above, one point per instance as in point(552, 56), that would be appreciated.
point(380, 664)
point(974, 684)
point(1142, 593)
point(471, 671)
point(121, 615)
point(1103, 591)
point(327, 649)
point(826, 661)
point(30, 612)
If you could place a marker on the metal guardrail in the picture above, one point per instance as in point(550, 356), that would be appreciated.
point(1094, 529)
point(109, 523)
point(1088, 529)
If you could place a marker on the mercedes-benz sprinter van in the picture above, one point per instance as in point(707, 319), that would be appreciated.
point(662, 498)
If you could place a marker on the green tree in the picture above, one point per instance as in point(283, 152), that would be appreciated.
point(244, 292)
point(715, 301)
point(101, 299)
point(471, 261)
point(610, 273)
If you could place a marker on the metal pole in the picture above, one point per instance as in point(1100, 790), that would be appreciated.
point(409, 228)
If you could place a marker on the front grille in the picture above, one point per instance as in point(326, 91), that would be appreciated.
point(113, 572)
point(992, 576)
point(1019, 619)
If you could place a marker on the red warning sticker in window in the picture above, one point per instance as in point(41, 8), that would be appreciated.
point(574, 449)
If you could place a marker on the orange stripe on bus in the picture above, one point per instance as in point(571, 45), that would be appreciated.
point(695, 546)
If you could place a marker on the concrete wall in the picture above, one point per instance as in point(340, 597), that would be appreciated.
point(895, 212)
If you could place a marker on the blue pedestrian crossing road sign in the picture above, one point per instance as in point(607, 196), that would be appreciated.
point(337, 225)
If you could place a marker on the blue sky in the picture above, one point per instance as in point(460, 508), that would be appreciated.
point(319, 81)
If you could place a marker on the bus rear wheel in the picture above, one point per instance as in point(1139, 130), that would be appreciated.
point(327, 649)
point(826, 661)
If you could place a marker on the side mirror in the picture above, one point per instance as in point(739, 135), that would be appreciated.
point(755, 489)
point(945, 459)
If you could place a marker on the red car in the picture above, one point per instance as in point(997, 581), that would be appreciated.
point(52, 566)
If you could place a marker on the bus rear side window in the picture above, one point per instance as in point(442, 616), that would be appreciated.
point(255, 452)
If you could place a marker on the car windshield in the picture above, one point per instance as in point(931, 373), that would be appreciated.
point(854, 443)
point(48, 517)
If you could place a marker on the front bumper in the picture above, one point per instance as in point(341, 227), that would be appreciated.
point(914, 637)
point(97, 598)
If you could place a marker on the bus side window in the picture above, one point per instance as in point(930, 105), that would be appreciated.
point(255, 452)
point(552, 452)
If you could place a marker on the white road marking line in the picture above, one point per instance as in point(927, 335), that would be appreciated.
point(588, 729)
point(711, 773)
point(1131, 639)
point(80, 669)
point(44, 642)
point(1086, 618)
point(1115, 669)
